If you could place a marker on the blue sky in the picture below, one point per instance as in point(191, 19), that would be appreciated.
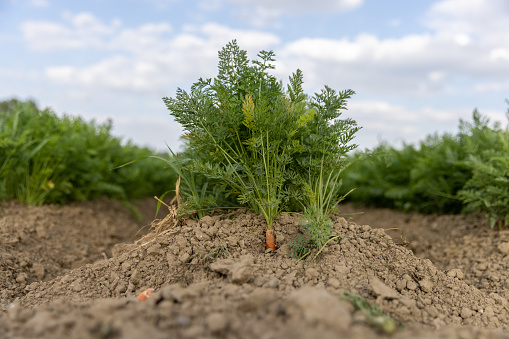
point(417, 66)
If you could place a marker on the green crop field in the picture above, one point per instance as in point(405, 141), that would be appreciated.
point(47, 159)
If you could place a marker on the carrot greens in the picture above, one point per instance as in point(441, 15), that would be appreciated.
point(257, 140)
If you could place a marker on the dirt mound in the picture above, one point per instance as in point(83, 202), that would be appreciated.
point(41, 243)
point(213, 278)
point(464, 242)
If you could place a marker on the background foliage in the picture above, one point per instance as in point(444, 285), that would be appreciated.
point(488, 160)
point(442, 174)
point(49, 159)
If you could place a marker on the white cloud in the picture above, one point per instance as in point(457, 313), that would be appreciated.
point(87, 23)
point(302, 6)
point(496, 116)
point(250, 40)
point(498, 86)
point(266, 13)
point(82, 31)
point(396, 123)
point(117, 72)
point(142, 59)
point(462, 39)
point(147, 37)
point(259, 16)
point(482, 20)
point(120, 73)
point(324, 49)
point(468, 39)
point(410, 65)
point(500, 54)
point(436, 76)
point(384, 121)
point(397, 115)
point(368, 63)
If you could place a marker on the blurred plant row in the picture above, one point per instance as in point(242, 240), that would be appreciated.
point(443, 174)
point(45, 158)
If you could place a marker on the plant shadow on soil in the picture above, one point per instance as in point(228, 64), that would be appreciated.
point(75, 271)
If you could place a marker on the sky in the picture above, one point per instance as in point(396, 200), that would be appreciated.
point(417, 67)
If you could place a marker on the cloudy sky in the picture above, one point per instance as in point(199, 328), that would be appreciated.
point(417, 66)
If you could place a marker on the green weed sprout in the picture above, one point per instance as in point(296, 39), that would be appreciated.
point(323, 197)
point(375, 315)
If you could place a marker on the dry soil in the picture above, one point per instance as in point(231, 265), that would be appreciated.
point(75, 271)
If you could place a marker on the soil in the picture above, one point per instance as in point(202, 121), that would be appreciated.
point(75, 271)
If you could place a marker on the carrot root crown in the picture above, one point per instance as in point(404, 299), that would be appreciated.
point(271, 240)
point(145, 294)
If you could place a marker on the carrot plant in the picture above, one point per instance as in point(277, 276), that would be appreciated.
point(488, 188)
point(255, 139)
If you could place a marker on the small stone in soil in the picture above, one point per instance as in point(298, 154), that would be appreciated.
point(217, 322)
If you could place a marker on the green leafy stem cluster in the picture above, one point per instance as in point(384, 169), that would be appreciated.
point(255, 143)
